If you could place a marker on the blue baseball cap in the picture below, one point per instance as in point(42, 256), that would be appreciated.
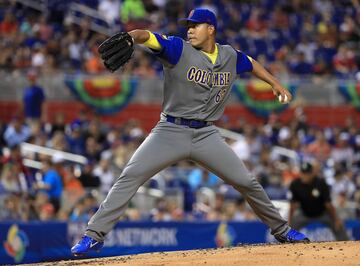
point(200, 15)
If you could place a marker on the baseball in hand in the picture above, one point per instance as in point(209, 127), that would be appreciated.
point(283, 98)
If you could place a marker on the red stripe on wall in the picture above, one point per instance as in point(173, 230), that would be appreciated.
point(148, 114)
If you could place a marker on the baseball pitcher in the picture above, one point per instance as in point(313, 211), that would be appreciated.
point(198, 74)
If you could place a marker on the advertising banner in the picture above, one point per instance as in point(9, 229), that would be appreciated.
point(51, 241)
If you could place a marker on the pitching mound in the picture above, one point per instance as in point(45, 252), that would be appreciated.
point(323, 253)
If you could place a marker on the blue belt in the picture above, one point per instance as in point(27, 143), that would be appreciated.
point(188, 122)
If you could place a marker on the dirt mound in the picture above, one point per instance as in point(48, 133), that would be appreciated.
point(321, 253)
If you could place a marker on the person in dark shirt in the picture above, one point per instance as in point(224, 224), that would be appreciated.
point(301, 66)
point(88, 179)
point(33, 99)
point(311, 202)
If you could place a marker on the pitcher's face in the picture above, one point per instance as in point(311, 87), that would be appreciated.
point(199, 33)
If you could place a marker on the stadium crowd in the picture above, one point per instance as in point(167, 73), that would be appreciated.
point(61, 189)
point(301, 37)
point(288, 37)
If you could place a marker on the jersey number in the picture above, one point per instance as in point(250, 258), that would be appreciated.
point(220, 95)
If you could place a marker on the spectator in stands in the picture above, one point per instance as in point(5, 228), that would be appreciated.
point(311, 201)
point(45, 29)
point(105, 175)
point(10, 179)
point(320, 149)
point(22, 58)
point(243, 212)
point(327, 30)
point(75, 50)
point(17, 132)
point(92, 150)
point(343, 185)
point(82, 119)
point(79, 213)
point(345, 208)
point(232, 24)
point(76, 140)
point(9, 25)
point(344, 61)
point(52, 184)
point(41, 198)
point(88, 179)
point(349, 31)
point(300, 66)
point(38, 57)
point(200, 177)
point(275, 188)
point(256, 24)
point(94, 130)
point(33, 99)
point(236, 211)
point(93, 63)
point(166, 211)
point(47, 212)
point(14, 157)
point(72, 185)
point(11, 209)
point(308, 48)
point(242, 148)
point(280, 18)
point(57, 125)
point(26, 174)
point(132, 13)
point(58, 141)
point(132, 214)
point(342, 153)
point(110, 10)
point(144, 68)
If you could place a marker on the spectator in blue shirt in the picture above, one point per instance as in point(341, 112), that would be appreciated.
point(301, 66)
point(52, 184)
point(16, 132)
point(33, 99)
point(75, 139)
point(202, 178)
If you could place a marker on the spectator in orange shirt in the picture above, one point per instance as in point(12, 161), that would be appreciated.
point(319, 148)
point(93, 62)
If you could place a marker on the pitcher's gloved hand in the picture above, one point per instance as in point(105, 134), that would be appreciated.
point(117, 50)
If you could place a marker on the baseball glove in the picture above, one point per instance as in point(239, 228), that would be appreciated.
point(117, 50)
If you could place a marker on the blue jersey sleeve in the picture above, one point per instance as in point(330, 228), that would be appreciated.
point(171, 48)
point(243, 63)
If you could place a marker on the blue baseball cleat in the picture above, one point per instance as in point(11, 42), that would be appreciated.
point(292, 236)
point(85, 245)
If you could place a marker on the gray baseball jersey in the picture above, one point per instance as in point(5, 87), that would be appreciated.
point(195, 89)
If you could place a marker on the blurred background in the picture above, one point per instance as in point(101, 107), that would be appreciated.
point(68, 127)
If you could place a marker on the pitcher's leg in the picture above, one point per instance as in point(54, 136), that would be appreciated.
point(214, 154)
point(155, 153)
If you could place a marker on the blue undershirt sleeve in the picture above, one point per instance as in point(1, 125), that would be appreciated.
point(171, 48)
point(243, 63)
